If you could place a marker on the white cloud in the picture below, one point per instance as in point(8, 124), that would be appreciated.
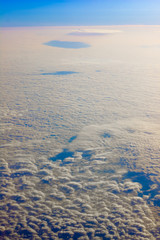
point(93, 32)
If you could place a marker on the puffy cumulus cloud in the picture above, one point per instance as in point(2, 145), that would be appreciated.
point(48, 180)
point(63, 179)
point(156, 200)
point(75, 185)
point(43, 163)
point(68, 160)
point(137, 200)
point(57, 195)
point(19, 198)
point(86, 196)
point(65, 234)
point(4, 170)
point(44, 172)
point(66, 189)
point(35, 195)
point(63, 224)
point(26, 183)
point(22, 172)
point(23, 163)
point(112, 186)
point(129, 186)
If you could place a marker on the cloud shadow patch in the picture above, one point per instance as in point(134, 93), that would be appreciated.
point(67, 44)
point(59, 73)
point(62, 155)
point(147, 186)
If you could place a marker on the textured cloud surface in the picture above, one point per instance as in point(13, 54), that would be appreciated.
point(80, 152)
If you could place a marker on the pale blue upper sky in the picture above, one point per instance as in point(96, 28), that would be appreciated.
point(79, 12)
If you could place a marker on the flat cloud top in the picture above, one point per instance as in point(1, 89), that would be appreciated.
point(87, 32)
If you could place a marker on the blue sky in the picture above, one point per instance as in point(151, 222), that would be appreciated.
point(79, 12)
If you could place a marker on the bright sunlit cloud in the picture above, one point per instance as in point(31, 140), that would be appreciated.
point(90, 32)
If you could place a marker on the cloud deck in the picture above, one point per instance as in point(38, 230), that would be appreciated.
point(80, 152)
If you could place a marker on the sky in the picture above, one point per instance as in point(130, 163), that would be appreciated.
point(79, 12)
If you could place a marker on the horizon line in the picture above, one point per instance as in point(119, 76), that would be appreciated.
point(103, 25)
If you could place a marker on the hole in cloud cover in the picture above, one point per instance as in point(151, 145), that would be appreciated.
point(60, 73)
point(72, 139)
point(62, 155)
point(141, 178)
point(147, 186)
point(67, 44)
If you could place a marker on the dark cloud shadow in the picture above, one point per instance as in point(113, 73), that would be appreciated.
point(106, 135)
point(141, 178)
point(147, 186)
point(67, 44)
point(62, 155)
point(59, 73)
point(72, 138)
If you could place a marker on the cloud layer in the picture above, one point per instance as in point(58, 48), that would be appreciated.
point(85, 196)
point(79, 152)
point(93, 32)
